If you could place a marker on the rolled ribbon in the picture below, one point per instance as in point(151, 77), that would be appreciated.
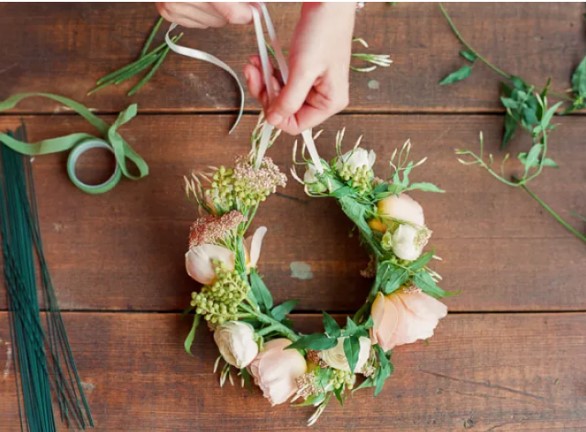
point(82, 142)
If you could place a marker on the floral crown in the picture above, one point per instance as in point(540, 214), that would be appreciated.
point(255, 337)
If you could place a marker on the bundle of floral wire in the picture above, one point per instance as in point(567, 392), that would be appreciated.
point(43, 359)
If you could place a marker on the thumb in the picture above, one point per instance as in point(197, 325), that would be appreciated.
point(291, 97)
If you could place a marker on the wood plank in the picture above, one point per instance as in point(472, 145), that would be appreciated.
point(65, 48)
point(124, 250)
point(500, 371)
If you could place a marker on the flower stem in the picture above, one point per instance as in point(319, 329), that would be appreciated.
point(495, 68)
point(274, 325)
point(555, 215)
point(468, 46)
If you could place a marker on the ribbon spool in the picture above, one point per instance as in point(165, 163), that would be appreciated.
point(74, 156)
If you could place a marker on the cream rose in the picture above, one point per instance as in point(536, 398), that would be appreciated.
point(236, 343)
point(357, 158)
point(336, 357)
point(403, 317)
point(276, 369)
point(408, 241)
point(199, 261)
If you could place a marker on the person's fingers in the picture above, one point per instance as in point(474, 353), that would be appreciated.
point(235, 13)
point(292, 96)
point(191, 15)
point(204, 13)
point(256, 85)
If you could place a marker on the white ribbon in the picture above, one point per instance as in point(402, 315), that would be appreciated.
point(202, 55)
point(266, 71)
point(281, 62)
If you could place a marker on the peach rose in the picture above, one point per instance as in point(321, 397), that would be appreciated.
point(276, 369)
point(401, 208)
point(403, 317)
point(199, 261)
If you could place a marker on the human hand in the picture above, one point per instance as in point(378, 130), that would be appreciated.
point(205, 14)
point(319, 64)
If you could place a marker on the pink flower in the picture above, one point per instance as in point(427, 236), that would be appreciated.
point(275, 370)
point(404, 317)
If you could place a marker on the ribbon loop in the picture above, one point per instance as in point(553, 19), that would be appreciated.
point(204, 56)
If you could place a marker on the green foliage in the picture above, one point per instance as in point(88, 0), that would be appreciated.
point(314, 341)
point(578, 87)
point(191, 335)
point(153, 60)
point(457, 76)
point(522, 108)
point(260, 292)
point(331, 327)
point(352, 350)
point(383, 370)
point(469, 55)
point(280, 312)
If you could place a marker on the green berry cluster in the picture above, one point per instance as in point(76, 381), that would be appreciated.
point(244, 186)
point(219, 302)
point(342, 379)
point(221, 192)
point(360, 177)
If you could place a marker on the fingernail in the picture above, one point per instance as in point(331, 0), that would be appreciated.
point(274, 118)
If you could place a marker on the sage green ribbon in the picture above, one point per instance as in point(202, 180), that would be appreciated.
point(82, 142)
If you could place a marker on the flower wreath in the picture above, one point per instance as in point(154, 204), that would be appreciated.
point(255, 336)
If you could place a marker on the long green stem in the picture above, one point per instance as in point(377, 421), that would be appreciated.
point(483, 59)
point(274, 325)
point(468, 46)
point(152, 35)
point(555, 215)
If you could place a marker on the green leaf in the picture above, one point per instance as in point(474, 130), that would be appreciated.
point(532, 159)
point(468, 55)
point(352, 350)
point(396, 277)
point(424, 281)
point(579, 80)
point(191, 335)
point(425, 187)
point(315, 341)
point(384, 371)
point(459, 75)
point(421, 262)
point(331, 327)
point(510, 127)
point(260, 291)
point(279, 312)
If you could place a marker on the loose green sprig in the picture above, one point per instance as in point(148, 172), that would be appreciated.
point(153, 59)
point(525, 108)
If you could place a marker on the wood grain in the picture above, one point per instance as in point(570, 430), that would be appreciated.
point(124, 250)
point(66, 47)
point(505, 372)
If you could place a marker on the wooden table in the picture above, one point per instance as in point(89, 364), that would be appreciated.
point(510, 356)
